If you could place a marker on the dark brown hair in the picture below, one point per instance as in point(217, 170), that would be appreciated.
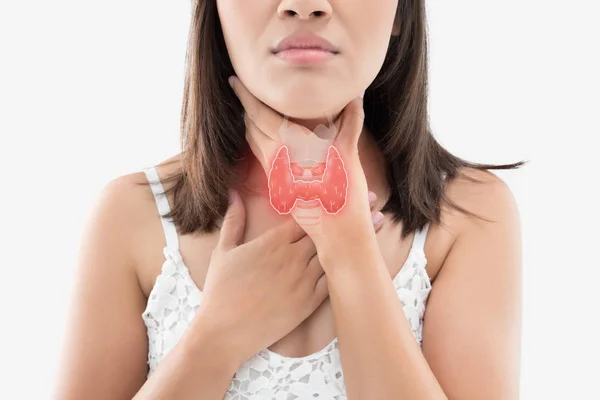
point(213, 130)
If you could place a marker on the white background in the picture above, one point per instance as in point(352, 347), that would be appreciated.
point(92, 90)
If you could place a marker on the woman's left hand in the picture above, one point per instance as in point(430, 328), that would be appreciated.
point(351, 228)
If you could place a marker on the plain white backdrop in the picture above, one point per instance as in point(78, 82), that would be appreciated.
point(92, 90)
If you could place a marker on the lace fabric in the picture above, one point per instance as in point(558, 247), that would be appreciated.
point(174, 301)
point(175, 298)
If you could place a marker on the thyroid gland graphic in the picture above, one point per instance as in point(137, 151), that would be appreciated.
point(329, 184)
point(316, 176)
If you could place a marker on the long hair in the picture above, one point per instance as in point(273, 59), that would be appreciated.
point(395, 104)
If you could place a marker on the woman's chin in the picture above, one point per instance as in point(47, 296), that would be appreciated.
point(307, 109)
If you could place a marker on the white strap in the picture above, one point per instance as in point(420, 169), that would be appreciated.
point(419, 238)
point(163, 207)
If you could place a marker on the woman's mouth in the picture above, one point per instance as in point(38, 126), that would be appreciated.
point(305, 56)
point(305, 48)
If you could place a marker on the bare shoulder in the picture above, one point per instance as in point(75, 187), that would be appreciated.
point(480, 192)
point(135, 211)
point(116, 210)
point(108, 299)
point(124, 200)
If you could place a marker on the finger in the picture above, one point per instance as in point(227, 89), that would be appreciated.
point(284, 233)
point(351, 124)
point(372, 199)
point(306, 246)
point(377, 218)
point(252, 106)
point(321, 291)
point(290, 231)
point(257, 150)
point(234, 222)
point(314, 269)
point(255, 134)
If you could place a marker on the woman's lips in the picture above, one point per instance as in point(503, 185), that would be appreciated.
point(305, 56)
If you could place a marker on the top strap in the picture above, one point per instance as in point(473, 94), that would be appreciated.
point(163, 207)
point(419, 238)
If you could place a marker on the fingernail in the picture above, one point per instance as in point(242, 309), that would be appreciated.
point(377, 218)
point(372, 197)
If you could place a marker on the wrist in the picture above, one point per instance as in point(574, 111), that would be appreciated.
point(352, 270)
point(340, 254)
point(215, 341)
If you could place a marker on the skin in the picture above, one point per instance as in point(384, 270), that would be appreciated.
point(363, 301)
point(262, 132)
point(358, 30)
point(471, 333)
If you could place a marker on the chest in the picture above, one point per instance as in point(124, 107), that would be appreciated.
point(314, 333)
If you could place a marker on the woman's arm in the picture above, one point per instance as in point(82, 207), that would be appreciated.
point(471, 340)
point(106, 349)
point(200, 366)
point(104, 354)
point(472, 327)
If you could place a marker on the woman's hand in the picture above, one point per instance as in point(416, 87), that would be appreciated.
point(257, 292)
point(350, 227)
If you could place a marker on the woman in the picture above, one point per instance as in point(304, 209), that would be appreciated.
point(233, 293)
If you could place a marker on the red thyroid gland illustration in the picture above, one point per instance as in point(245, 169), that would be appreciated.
point(328, 183)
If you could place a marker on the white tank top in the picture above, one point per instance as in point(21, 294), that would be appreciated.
point(174, 300)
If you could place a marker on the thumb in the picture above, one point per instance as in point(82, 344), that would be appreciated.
point(351, 125)
point(234, 222)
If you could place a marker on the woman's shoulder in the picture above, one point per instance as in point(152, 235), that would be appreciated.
point(481, 192)
point(130, 203)
point(132, 194)
point(109, 300)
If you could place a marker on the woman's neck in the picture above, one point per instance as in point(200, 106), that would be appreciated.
point(312, 124)
point(255, 182)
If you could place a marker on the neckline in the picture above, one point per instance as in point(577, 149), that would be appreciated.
point(280, 357)
point(272, 354)
point(174, 255)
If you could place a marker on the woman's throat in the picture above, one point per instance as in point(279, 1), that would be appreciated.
point(289, 182)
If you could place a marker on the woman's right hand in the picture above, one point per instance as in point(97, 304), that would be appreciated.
point(257, 292)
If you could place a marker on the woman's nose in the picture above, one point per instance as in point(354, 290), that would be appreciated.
point(305, 9)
